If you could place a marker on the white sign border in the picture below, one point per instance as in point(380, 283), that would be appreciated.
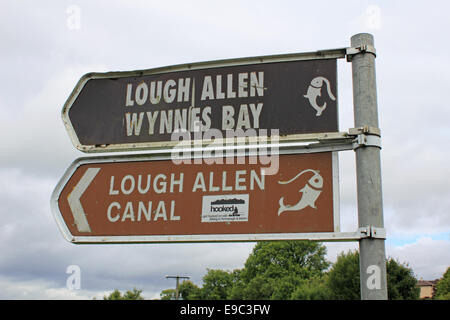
point(316, 55)
point(319, 236)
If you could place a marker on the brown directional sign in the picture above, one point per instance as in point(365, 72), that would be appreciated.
point(152, 199)
point(294, 94)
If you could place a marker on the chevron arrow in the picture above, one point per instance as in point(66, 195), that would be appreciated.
point(73, 198)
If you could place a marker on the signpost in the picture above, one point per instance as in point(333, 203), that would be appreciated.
point(161, 198)
point(150, 199)
point(118, 111)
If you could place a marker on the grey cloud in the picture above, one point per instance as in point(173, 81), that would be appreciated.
point(42, 61)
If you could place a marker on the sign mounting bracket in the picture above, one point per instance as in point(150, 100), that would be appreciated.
point(365, 140)
point(372, 232)
point(364, 48)
point(366, 137)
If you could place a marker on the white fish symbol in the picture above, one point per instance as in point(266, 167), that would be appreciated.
point(310, 192)
point(314, 91)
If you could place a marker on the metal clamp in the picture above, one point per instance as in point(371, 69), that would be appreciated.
point(364, 140)
point(366, 48)
point(365, 130)
point(365, 137)
point(372, 232)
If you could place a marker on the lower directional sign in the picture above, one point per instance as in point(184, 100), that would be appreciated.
point(154, 199)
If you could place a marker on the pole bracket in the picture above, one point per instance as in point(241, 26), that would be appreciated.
point(365, 140)
point(365, 137)
point(365, 130)
point(372, 232)
point(365, 48)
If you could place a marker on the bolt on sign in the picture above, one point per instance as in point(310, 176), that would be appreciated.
point(149, 199)
point(118, 111)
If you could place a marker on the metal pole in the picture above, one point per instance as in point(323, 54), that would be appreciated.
point(177, 290)
point(368, 171)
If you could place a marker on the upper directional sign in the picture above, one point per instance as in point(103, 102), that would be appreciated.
point(117, 111)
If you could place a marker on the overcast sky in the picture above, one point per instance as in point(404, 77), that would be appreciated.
point(47, 46)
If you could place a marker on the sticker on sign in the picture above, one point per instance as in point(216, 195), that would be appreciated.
point(225, 208)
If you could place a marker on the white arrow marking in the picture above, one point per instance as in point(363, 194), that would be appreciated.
point(74, 199)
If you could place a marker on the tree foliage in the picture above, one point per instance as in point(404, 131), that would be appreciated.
point(344, 279)
point(217, 284)
point(401, 282)
point(443, 287)
point(298, 270)
point(129, 295)
point(315, 288)
point(189, 291)
point(282, 258)
point(168, 294)
point(274, 270)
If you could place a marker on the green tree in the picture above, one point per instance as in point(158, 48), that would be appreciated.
point(401, 282)
point(217, 284)
point(129, 295)
point(443, 287)
point(189, 291)
point(115, 295)
point(168, 294)
point(258, 288)
point(343, 278)
point(274, 270)
point(344, 281)
point(305, 258)
point(312, 289)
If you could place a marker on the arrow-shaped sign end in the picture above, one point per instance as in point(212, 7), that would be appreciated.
point(73, 198)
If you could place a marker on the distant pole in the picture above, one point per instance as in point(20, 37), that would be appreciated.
point(368, 171)
point(177, 291)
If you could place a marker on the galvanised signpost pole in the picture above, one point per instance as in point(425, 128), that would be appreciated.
point(368, 170)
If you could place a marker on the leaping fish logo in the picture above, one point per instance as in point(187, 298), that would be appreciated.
point(314, 91)
point(310, 192)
